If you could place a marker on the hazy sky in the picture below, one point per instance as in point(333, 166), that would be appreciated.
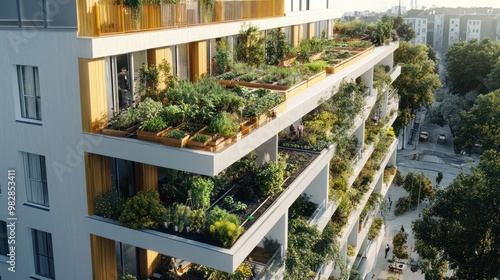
point(383, 5)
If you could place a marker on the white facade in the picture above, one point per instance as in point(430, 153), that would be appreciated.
point(420, 27)
point(57, 135)
point(454, 31)
point(473, 30)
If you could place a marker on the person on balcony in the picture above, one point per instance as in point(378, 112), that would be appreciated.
point(125, 97)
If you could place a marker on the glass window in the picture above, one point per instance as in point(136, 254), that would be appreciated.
point(61, 13)
point(122, 176)
point(36, 179)
point(29, 92)
point(126, 259)
point(43, 253)
point(32, 13)
point(4, 247)
point(8, 13)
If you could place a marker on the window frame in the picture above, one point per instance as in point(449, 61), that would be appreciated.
point(24, 109)
point(31, 180)
point(47, 245)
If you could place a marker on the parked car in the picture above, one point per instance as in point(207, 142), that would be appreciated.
point(441, 138)
point(424, 136)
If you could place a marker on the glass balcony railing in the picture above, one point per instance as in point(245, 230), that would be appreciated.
point(107, 18)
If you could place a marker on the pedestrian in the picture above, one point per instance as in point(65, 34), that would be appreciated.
point(387, 249)
point(300, 130)
point(402, 229)
point(390, 204)
point(125, 100)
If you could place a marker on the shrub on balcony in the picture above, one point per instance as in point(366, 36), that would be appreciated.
point(149, 109)
point(225, 232)
point(223, 58)
point(197, 220)
point(144, 210)
point(351, 250)
point(172, 115)
point(375, 228)
point(268, 178)
point(250, 47)
point(155, 124)
point(201, 189)
point(277, 46)
point(125, 119)
point(224, 123)
point(109, 204)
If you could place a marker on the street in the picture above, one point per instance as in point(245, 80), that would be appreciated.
point(428, 157)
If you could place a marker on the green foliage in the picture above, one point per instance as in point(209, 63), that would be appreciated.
point(219, 214)
point(223, 57)
point(277, 46)
point(176, 134)
point(351, 250)
point(459, 228)
point(375, 228)
point(109, 204)
point(197, 219)
point(380, 32)
point(302, 206)
point(201, 190)
point(469, 64)
point(207, 9)
point(149, 109)
point(180, 215)
point(268, 178)
point(250, 47)
point(308, 47)
point(200, 137)
point(128, 276)
point(225, 232)
point(480, 124)
point(416, 82)
point(172, 115)
point(144, 210)
point(224, 123)
point(351, 28)
point(315, 66)
point(155, 124)
point(125, 119)
point(400, 249)
point(272, 245)
point(404, 31)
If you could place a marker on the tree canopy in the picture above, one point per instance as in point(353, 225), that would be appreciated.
point(481, 124)
point(416, 82)
point(449, 110)
point(405, 31)
point(462, 226)
point(468, 65)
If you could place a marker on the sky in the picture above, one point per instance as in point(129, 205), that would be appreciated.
point(384, 5)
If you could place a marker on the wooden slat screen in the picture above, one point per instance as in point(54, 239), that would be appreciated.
point(103, 258)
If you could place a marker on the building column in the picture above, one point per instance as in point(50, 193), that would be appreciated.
point(268, 151)
point(198, 61)
point(318, 188)
point(279, 232)
point(98, 178)
point(310, 30)
point(295, 35)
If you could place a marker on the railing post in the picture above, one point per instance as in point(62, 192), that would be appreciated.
point(97, 14)
point(121, 20)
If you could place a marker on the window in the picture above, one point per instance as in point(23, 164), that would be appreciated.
point(127, 260)
point(42, 250)
point(4, 248)
point(29, 92)
point(36, 179)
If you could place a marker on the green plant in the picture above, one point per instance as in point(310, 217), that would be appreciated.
point(207, 9)
point(268, 178)
point(124, 119)
point(197, 219)
point(200, 137)
point(375, 228)
point(176, 134)
point(144, 210)
point(219, 214)
point(351, 250)
point(250, 48)
point(225, 232)
point(277, 46)
point(155, 124)
point(149, 109)
point(271, 245)
point(109, 204)
point(172, 115)
point(224, 123)
point(128, 276)
point(201, 189)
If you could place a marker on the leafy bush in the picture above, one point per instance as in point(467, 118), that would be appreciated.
point(375, 228)
point(200, 137)
point(109, 204)
point(219, 214)
point(172, 115)
point(149, 109)
point(125, 119)
point(402, 205)
point(351, 250)
point(269, 177)
point(224, 123)
point(155, 124)
point(176, 134)
point(225, 232)
point(144, 210)
point(201, 190)
point(197, 219)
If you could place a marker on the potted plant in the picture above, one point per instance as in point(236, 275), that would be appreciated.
point(152, 130)
point(122, 125)
point(225, 124)
point(175, 138)
point(199, 141)
point(167, 217)
point(197, 220)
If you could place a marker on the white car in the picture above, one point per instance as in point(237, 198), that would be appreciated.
point(424, 136)
point(441, 138)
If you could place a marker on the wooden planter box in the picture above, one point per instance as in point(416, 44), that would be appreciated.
point(292, 91)
point(316, 78)
point(199, 129)
point(317, 56)
point(197, 145)
point(156, 137)
point(247, 127)
point(215, 144)
point(287, 61)
point(337, 67)
point(176, 143)
point(280, 108)
point(120, 133)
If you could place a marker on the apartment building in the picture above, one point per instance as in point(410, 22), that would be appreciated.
point(60, 61)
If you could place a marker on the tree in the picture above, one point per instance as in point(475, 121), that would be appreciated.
point(380, 32)
point(250, 48)
point(481, 124)
point(462, 226)
point(416, 82)
point(448, 111)
point(405, 31)
point(419, 188)
point(493, 78)
point(468, 65)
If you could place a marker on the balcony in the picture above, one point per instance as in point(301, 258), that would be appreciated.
point(108, 18)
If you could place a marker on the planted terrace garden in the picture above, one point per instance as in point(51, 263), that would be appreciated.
point(214, 210)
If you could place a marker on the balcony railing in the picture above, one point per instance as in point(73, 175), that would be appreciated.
point(107, 17)
point(272, 266)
